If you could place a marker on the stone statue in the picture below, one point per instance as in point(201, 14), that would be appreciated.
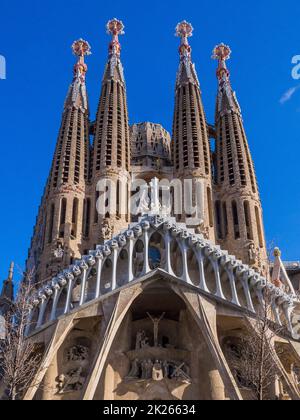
point(147, 368)
point(253, 254)
point(77, 353)
point(72, 381)
point(135, 370)
point(59, 251)
point(144, 206)
point(142, 341)
point(157, 371)
point(156, 322)
point(166, 369)
point(203, 230)
point(106, 230)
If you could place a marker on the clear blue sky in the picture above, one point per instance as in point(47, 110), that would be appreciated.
point(35, 38)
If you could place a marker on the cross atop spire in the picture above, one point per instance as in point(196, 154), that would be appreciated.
point(184, 30)
point(222, 53)
point(115, 27)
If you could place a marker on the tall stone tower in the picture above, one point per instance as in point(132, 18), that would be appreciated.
point(238, 211)
point(191, 149)
point(58, 234)
point(111, 151)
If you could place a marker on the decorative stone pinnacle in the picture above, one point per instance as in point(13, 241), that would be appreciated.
point(221, 52)
point(11, 271)
point(115, 27)
point(81, 48)
point(184, 29)
point(277, 252)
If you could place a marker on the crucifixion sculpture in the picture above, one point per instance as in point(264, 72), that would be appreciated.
point(156, 322)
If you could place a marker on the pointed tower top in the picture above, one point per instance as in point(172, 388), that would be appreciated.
point(184, 30)
point(186, 72)
point(11, 272)
point(222, 53)
point(115, 27)
point(227, 100)
point(77, 96)
point(81, 48)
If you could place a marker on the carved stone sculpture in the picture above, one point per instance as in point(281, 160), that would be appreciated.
point(106, 230)
point(157, 372)
point(70, 382)
point(77, 353)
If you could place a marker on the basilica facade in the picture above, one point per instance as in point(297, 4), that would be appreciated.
point(149, 254)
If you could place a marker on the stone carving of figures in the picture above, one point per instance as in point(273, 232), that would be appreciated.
point(59, 251)
point(139, 338)
point(135, 370)
point(166, 369)
point(157, 371)
point(202, 230)
point(78, 353)
point(147, 368)
point(106, 230)
point(72, 381)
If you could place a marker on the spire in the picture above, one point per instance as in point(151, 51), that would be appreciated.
point(111, 142)
point(186, 72)
point(227, 100)
point(77, 96)
point(114, 69)
point(7, 294)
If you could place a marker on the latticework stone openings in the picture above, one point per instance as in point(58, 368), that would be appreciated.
point(238, 210)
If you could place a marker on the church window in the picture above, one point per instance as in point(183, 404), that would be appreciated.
point(235, 218)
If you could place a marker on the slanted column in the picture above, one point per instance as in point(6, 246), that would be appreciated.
point(214, 258)
point(184, 248)
point(229, 267)
point(56, 288)
point(200, 257)
point(146, 228)
point(84, 268)
point(168, 241)
point(130, 237)
point(115, 254)
point(99, 263)
point(43, 305)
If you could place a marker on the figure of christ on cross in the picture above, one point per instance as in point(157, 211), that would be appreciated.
point(156, 322)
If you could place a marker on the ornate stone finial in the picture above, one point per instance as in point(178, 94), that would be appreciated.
point(222, 53)
point(277, 253)
point(184, 30)
point(11, 271)
point(115, 27)
point(81, 48)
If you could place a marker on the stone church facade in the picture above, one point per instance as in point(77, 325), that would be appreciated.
point(144, 305)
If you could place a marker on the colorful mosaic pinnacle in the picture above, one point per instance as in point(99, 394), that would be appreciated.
point(81, 48)
point(221, 52)
point(184, 29)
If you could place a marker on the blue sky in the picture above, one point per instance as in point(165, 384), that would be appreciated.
point(35, 38)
